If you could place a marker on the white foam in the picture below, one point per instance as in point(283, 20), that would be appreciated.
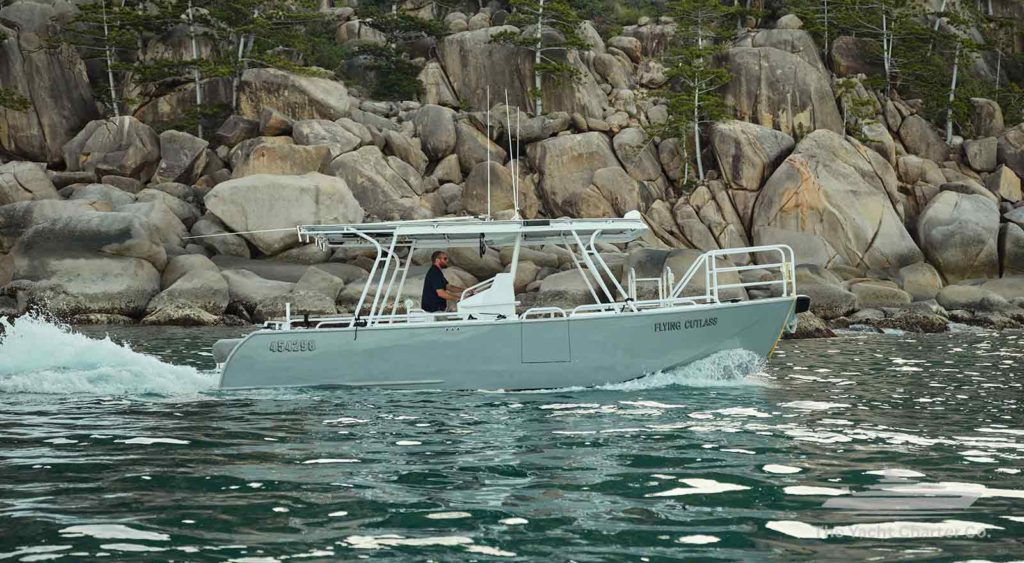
point(895, 473)
point(738, 451)
point(408, 443)
point(42, 357)
point(513, 521)
point(883, 530)
point(1007, 470)
point(728, 368)
point(35, 549)
point(338, 514)
point(151, 441)
point(780, 469)
point(953, 487)
point(483, 549)
point(329, 460)
point(132, 547)
point(391, 540)
point(60, 441)
point(449, 515)
point(815, 491)
point(652, 404)
point(279, 509)
point(699, 487)
point(1014, 518)
point(698, 539)
point(813, 405)
point(112, 532)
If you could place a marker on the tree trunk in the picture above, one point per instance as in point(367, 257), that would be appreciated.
point(195, 71)
point(110, 62)
point(999, 62)
point(538, 108)
point(952, 97)
point(696, 133)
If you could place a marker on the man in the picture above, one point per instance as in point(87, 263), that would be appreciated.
point(436, 289)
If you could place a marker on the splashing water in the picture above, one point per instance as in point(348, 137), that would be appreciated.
point(40, 356)
point(728, 368)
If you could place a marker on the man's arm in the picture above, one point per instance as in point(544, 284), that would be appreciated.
point(449, 294)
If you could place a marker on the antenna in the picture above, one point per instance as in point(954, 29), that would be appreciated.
point(515, 169)
point(487, 149)
point(508, 128)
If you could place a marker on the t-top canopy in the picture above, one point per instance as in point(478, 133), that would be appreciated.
point(471, 231)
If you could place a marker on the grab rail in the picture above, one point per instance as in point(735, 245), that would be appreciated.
point(786, 266)
point(543, 311)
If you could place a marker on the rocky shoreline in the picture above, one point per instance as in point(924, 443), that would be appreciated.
point(105, 220)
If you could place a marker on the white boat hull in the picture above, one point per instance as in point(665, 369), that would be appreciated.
point(513, 354)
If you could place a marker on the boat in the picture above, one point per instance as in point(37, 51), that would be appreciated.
point(489, 342)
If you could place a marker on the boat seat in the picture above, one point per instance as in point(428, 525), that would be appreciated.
point(498, 299)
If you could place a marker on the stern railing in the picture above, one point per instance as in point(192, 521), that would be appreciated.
point(708, 262)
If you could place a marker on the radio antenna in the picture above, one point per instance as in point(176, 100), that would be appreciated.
point(511, 161)
point(488, 151)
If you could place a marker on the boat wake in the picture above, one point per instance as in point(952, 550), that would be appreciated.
point(728, 368)
point(41, 356)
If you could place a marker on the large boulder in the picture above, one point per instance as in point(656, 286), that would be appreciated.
point(1004, 184)
point(436, 87)
point(51, 76)
point(921, 138)
point(470, 57)
point(283, 158)
point(921, 280)
point(987, 118)
point(1011, 149)
point(435, 126)
point(249, 289)
point(794, 41)
point(16, 218)
point(830, 200)
point(200, 288)
point(971, 298)
point(473, 147)
point(381, 191)
point(25, 181)
point(1011, 250)
point(981, 153)
point(566, 165)
point(958, 233)
point(266, 202)
point(182, 158)
point(323, 132)
point(296, 96)
point(854, 55)
point(780, 90)
point(475, 195)
point(121, 146)
point(637, 154)
point(91, 263)
point(406, 149)
point(747, 154)
point(165, 225)
point(212, 234)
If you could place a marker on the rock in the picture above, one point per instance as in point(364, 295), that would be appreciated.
point(474, 195)
point(1011, 250)
point(789, 21)
point(52, 77)
point(407, 149)
point(920, 280)
point(63, 179)
point(921, 138)
point(89, 263)
point(473, 147)
point(628, 45)
point(954, 297)
point(830, 199)
point(878, 295)
point(654, 38)
point(747, 154)
point(566, 289)
point(613, 71)
point(981, 154)
point(265, 201)
point(913, 169)
point(958, 233)
point(25, 181)
point(1010, 150)
point(102, 193)
point(622, 191)
point(305, 254)
point(448, 170)
point(202, 289)
point(283, 159)
point(914, 321)
point(481, 20)
point(181, 316)
point(130, 185)
point(16, 218)
point(236, 129)
point(637, 154)
point(591, 37)
point(852, 56)
point(381, 191)
point(436, 88)
point(296, 96)
point(122, 146)
point(358, 129)
point(183, 211)
point(680, 260)
point(1010, 288)
point(181, 265)
point(829, 301)
point(651, 74)
point(248, 289)
point(469, 60)
point(670, 154)
point(316, 280)
point(987, 118)
point(780, 90)
point(435, 126)
point(969, 187)
point(355, 29)
point(877, 138)
point(711, 202)
point(695, 233)
point(809, 326)
point(182, 158)
point(324, 132)
point(165, 225)
point(1005, 184)
point(566, 165)
point(274, 123)
point(482, 267)
point(211, 233)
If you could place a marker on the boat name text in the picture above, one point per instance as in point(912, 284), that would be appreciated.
point(292, 345)
point(685, 325)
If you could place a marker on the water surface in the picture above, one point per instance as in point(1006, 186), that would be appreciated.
point(881, 447)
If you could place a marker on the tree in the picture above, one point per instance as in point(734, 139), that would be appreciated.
point(890, 22)
point(547, 27)
point(396, 74)
point(694, 78)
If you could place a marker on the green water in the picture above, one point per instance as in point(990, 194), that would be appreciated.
point(863, 447)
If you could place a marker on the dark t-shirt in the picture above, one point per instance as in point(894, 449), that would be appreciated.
point(434, 281)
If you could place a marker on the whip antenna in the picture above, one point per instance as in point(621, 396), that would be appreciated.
point(487, 149)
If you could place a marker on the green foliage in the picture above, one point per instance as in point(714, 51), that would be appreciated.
point(12, 100)
point(394, 76)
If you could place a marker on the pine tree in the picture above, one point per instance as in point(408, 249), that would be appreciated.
point(396, 73)
point(547, 27)
point(694, 78)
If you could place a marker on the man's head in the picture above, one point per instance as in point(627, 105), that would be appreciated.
point(439, 259)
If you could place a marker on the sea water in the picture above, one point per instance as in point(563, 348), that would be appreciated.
point(115, 443)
